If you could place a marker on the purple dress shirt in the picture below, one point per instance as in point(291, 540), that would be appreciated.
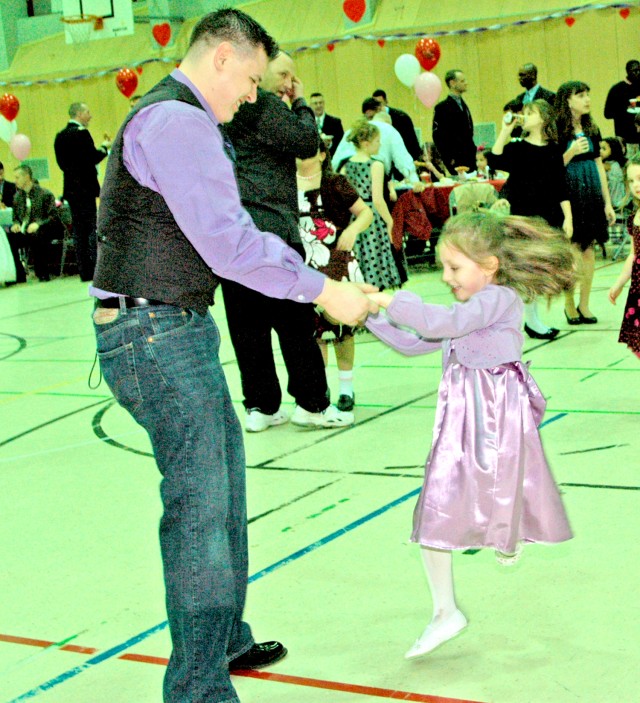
point(178, 151)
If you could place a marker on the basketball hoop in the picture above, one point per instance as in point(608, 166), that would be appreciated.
point(80, 26)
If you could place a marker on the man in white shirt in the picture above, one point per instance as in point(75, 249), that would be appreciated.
point(392, 153)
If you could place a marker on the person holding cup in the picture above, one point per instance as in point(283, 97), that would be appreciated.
point(589, 196)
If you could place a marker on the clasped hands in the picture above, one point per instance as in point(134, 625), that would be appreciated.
point(351, 303)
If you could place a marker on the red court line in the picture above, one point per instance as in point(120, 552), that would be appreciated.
point(265, 676)
point(350, 688)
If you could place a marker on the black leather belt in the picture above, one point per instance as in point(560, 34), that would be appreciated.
point(128, 302)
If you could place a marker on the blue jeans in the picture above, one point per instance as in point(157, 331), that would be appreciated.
point(161, 364)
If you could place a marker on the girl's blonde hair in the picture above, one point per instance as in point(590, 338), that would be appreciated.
point(362, 131)
point(629, 197)
point(534, 258)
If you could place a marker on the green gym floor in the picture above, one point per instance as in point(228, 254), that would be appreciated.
point(332, 573)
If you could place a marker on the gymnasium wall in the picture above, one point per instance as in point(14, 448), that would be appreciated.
point(594, 49)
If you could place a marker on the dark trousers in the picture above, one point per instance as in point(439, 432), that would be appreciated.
point(84, 214)
point(251, 316)
point(38, 250)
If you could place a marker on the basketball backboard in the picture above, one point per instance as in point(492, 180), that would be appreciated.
point(117, 19)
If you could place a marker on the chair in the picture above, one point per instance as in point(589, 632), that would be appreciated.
point(66, 242)
point(471, 196)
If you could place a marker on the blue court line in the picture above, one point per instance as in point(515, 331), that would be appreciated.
point(114, 651)
point(552, 419)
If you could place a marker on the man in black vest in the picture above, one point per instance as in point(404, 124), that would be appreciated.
point(453, 126)
point(268, 136)
point(78, 159)
point(162, 244)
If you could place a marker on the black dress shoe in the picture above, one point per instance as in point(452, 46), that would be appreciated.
point(259, 656)
point(346, 402)
point(586, 320)
point(551, 334)
point(572, 320)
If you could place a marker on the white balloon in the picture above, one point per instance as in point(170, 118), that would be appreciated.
point(407, 68)
point(7, 129)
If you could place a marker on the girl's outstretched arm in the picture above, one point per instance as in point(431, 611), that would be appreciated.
point(405, 341)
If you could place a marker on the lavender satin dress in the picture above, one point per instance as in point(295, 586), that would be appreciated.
point(487, 482)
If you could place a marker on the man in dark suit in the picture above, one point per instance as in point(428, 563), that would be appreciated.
point(7, 189)
point(329, 127)
point(78, 158)
point(453, 125)
point(528, 79)
point(402, 122)
point(35, 223)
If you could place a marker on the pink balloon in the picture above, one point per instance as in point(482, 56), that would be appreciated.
point(428, 88)
point(20, 146)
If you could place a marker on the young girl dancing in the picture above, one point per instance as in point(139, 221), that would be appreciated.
point(536, 183)
point(487, 483)
point(373, 247)
point(630, 329)
point(588, 190)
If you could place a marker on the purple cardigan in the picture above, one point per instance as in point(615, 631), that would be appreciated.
point(485, 330)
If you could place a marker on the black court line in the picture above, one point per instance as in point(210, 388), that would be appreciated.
point(330, 434)
point(598, 485)
point(296, 469)
point(593, 449)
point(96, 426)
point(22, 345)
point(50, 422)
point(291, 502)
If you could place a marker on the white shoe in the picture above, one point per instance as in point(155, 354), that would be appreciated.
point(257, 421)
point(437, 634)
point(507, 559)
point(329, 418)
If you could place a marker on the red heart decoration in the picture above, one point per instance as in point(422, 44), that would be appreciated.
point(331, 47)
point(381, 42)
point(570, 21)
point(428, 53)
point(625, 12)
point(139, 70)
point(162, 33)
point(354, 9)
point(127, 82)
point(9, 106)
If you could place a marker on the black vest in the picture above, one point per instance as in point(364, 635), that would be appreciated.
point(142, 252)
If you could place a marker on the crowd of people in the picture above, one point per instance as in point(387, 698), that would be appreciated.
point(298, 233)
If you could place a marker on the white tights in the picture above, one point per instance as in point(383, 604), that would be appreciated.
point(438, 565)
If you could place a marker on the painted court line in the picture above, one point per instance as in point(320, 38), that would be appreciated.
point(304, 681)
point(115, 651)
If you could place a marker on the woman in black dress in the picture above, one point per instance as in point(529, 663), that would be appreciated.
point(536, 184)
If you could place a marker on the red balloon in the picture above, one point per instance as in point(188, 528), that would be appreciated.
point(9, 106)
point(162, 33)
point(127, 82)
point(354, 9)
point(428, 53)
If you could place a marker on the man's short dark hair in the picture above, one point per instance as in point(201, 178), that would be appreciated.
point(451, 75)
point(1, 165)
point(315, 95)
point(25, 169)
point(236, 27)
point(631, 64)
point(370, 104)
point(379, 93)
